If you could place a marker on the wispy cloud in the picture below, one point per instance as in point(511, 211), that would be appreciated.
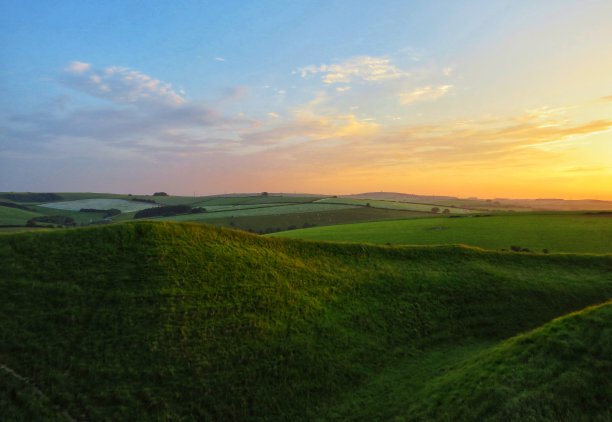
point(119, 84)
point(219, 59)
point(426, 93)
point(364, 68)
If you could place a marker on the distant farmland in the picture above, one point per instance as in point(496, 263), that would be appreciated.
point(100, 204)
point(584, 233)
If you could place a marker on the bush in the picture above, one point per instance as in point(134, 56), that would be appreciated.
point(166, 211)
point(61, 220)
point(150, 201)
point(31, 197)
point(160, 194)
point(107, 213)
point(435, 210)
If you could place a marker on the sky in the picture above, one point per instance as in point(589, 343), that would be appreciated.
point(474, 98)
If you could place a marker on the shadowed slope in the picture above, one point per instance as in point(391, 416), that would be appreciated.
point(163, 320)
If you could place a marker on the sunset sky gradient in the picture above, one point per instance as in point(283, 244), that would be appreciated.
point(462, 98)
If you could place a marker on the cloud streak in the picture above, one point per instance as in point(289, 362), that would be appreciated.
point(359, 68)
point(426, 93)
point(119, 84)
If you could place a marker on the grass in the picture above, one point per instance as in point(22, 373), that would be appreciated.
point(259, 199)
point(258, 210)
point(321, 218)
point(518, 379)
point(99, 204)
point(167, 321)
point(15, 217)
point(575, 233)
point(394, 205)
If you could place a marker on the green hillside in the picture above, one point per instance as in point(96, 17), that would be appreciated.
point(575, 233)
point(167, 321)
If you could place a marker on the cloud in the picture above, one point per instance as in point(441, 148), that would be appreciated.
point(343, 88)
point(607, 98)
point(143, 117)
point(219, 59)
point(119, 84)
point(77, 67)
point(364, 68)
point(426, 93)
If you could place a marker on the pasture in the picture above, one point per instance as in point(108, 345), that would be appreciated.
point(396, 205)
point(99, 204)
point(575, 233)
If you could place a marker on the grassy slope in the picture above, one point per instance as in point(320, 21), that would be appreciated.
point(526, 377)
point(139, 321)
point(258, 210)
point(557, 233)
point(321, 218)
point(15, 216)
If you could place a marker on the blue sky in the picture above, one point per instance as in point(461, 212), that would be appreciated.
point(487, 98)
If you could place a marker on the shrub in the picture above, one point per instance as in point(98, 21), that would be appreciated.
point(61, 220)
point(160, 194)
point(166, 211)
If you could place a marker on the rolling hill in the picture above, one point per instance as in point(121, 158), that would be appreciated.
point(158, 321)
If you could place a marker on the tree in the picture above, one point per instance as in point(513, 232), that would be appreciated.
point(160, 194)
point(264, 194)
point(435, 210)
point(446, 211)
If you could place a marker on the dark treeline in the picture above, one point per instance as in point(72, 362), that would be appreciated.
point(168, 211)
point(31, 197)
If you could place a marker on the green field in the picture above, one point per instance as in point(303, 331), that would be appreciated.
point(394, 205)
point(281, 222)
point(99, 204)
point(579, 233)
point(167, 321)
point(258, 211)
point(15, 216)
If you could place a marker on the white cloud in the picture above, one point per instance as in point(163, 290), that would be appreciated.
point(426, 93)
point(273, 115)
point(365, 68)
point(343, 88)
point(77, 67)
point(219, 59)
point(119, 84)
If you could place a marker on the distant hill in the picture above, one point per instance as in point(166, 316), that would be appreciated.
point(168, 321)
point(551, 204)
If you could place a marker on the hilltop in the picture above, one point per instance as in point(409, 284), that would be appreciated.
point(146, 321)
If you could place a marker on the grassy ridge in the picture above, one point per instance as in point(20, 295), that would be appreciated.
point(172, 321)
point(577, 233)
point(524, 377)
